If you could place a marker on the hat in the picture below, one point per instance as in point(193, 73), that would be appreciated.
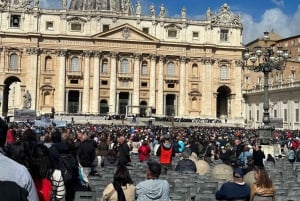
point(238, 172)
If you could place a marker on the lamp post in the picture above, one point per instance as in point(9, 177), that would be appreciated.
point(265, 60)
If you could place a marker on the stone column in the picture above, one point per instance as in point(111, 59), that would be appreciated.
point(86, 83)
point(136, 85)
point(182, 89)
point(59, 101)
point(2, 56)
point(80, 102)
point(160, 87)
point(130, 103)
point(113, 83)
point(31, 83)
point(96, 80)
point(67, 101)
point(117, 103)
point(152, 82)
point(208, 101)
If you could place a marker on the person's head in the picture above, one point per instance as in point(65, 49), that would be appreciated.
point(56, 136)
point(185, 154)
point(18, 152)
point(3, 131)
point(262, 178)
point(154, 170)
point(40, 163)
point(122, 176)
point(121, 139)
point(238, 174)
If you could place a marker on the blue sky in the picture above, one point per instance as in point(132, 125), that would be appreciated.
point(281, 16)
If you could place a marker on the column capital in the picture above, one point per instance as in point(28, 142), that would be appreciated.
point(97, 53)
point(137, 56)
point(208, 60)
point(114, 54)
point(162, 58)
point(86, 53)
point(33, 50)
point(153, 57)
point(183, 59)
point(61, 53)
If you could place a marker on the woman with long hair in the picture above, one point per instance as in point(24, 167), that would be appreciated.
point(263, 186)
point(121, 189)
point(48, 180)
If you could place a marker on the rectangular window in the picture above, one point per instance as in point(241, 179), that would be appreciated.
point(75, 27)
point(297, 115)
point(224, 35)
point(285, 115)
point(171, 85)
point(250, 115)
point(275, 113)
point(172, 33)
point(15, 21)
point(49, 25)
point(144, 84)
point(146, 30)
point(195, 35)
point(257, 115)
point(73, 81)
point(104, 82)
point(105, 27)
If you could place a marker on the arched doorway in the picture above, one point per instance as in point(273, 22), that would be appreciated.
point(143, 108)
point(223, 98)
point(11, 90)
point(104, 109)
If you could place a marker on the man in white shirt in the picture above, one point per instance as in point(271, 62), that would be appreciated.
point(10, 170)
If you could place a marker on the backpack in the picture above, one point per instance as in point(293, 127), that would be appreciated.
point(44, 189)
point(68, 167)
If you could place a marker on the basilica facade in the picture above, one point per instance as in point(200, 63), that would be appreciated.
point(107, 57)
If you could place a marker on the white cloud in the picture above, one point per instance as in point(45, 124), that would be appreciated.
point(272, 20)
point(278, 2)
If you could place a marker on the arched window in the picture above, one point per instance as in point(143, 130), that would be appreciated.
point(195, 70)
point(124, 66)
point(194, 103)
point(171, 69)
point(104, 67)
point(144, 70)
point(75, 64)
point(48, 64)
point(13, 62)
point(223, 72)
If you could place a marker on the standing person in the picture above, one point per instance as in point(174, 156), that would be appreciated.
point(121, 189)
point(144, 151)
point(263, 185)
point(13, 172)
point(123, 151)
point(292, 155)
point(153, 188)
point(111, 159)
point(166, 152)
point(258, 156)
point(86, 154)
point(237, 189)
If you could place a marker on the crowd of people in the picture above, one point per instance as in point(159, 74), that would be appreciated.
point(52, 164)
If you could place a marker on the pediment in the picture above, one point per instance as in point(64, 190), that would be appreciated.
point(76, 19)
point(172, 26)
point(125, 32)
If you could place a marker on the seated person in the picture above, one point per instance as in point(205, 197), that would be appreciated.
point(186, 164)
point(237, 189)
point(153, 188)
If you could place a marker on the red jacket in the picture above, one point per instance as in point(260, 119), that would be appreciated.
point(10, 137)
point(144, 152)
